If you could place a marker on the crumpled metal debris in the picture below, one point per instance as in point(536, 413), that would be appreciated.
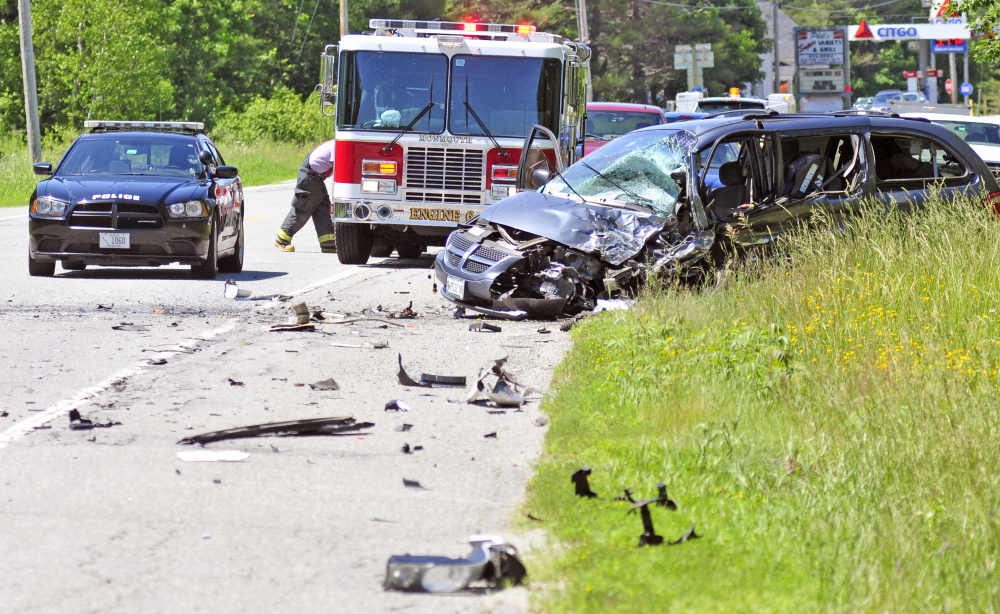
point(314, 426)
point(484, 327)
point(503, 392)
point(137, 328)
point(79, 423)
point(582, 483)
point(492, 562)
point(327, 384)
point(410, 450)
point(280, 328)
point(233, 382)
point(428, 380)
point(232, 291)
point(156, 361)
point(397, 405)
point(412, 484)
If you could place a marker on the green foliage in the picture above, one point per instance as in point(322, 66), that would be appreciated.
point(984, 17)
point(283, 118)
point(264, 162)
point(827, 423)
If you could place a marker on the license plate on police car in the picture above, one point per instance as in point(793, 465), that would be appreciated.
point(115, 240)
point(455, 287)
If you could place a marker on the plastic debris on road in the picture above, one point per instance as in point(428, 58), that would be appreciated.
point(491, 563)
point(212, 456)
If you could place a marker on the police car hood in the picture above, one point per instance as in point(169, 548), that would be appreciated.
point(616, 234)
point(989, 153)
point(148, 190)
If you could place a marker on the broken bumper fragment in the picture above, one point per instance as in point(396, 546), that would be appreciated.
point(491, 561)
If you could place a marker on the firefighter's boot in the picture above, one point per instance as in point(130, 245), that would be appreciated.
point(328, 244)
point(284, 242)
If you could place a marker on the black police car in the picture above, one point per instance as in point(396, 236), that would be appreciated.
point(138, 194)
point(677, 199)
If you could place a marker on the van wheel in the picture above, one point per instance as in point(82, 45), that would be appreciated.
point(354, 242)
point(37, 268)
point(409, 251)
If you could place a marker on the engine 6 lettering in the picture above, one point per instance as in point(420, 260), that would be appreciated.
point(435, 215)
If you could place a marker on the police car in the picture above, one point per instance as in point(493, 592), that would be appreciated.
point(138, 194)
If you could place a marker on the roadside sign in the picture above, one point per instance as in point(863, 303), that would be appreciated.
point(947, 85)
point(932, 73)
point(821, 80)
point(909, 31)
point(950, 45)
point(910, 74)
point(965, 89)
point(817, 47)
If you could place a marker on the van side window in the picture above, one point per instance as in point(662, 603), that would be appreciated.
point(907, 162)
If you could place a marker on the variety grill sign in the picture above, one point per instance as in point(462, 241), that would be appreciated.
point(817, 47)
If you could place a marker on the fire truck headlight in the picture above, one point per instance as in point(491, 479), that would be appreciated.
point(499, 190)
point(378, 167)
point(378, 186)
point(503, 173)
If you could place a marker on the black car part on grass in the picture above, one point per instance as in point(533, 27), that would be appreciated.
point(581, 481)
point(314, 426)
point(649, 536)
point(492, 562)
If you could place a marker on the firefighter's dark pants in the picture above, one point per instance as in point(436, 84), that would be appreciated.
point(311, 200)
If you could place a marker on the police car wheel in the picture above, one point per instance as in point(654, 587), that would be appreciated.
point(234, 263)
point(37, 268)
point(209, 267)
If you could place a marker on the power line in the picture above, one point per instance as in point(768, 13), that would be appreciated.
point(857, 10)
point(701, 6)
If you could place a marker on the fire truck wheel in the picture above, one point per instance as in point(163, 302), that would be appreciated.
point(381, 249)
point(354, 243)
point(409, 251)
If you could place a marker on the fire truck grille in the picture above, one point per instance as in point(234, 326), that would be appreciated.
point(439, 168)
point(456, 198)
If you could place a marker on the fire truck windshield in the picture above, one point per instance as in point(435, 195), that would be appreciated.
point(387, 90)
point(527, 94)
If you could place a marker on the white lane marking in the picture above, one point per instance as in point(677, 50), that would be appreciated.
point(313, 286)
point(62, 407)
point(13, 217)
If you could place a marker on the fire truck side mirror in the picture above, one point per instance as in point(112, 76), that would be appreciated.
point(328, 87)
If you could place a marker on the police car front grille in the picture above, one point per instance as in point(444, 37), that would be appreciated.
point(116, 216)
point(453, 198)
point(442, 168)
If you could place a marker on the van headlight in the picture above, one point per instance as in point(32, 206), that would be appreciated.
point(192, 208)
point(49, 207)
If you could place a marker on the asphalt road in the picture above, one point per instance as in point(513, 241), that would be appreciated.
point(111, 520)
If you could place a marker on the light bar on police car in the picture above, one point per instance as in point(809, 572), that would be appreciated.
point(99, 123)
point(453, 26)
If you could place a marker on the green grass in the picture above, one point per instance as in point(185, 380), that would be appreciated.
point(259, 163)
point(829, 425)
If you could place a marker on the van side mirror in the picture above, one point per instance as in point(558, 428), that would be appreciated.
point(226, 172)
point(540, 177)
point(43, 168)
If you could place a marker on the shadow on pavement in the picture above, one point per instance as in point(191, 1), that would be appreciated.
point(164, 274)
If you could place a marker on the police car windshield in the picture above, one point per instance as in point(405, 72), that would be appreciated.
point(527, 94)
point(387, 90)
point(637, 168)
point(135, 155)
point(975, 133)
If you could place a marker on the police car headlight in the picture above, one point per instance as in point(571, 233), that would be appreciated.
point(192, 208)
point(50, 207)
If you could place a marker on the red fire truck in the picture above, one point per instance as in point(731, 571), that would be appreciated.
point(430, 120)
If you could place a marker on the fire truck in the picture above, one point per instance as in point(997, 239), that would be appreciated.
point(430, 119)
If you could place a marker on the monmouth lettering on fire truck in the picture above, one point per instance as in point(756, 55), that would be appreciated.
point(430, 120)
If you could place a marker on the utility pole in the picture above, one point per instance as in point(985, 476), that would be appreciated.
point(30, 89)
point(343, 18)
point(953, 74)
point(965, 71)
point(774, 31)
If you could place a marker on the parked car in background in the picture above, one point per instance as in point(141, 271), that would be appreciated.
point(914, 97)
point(676, 200)
point(607, 121)
point(864, 103)
point(678, 116)
point(982, 134)
point(881, 100)
point(137, 194)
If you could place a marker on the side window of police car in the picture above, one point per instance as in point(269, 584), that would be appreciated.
point(827, 164)
point(914, 163)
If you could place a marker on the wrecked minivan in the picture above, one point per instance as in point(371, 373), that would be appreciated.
point(676, 200)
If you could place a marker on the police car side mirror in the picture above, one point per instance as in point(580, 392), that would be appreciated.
point(540, 177)
point(43, 168)
point(226, 172)
point(205, 157)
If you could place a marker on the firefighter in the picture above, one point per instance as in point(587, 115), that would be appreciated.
point(311, 200)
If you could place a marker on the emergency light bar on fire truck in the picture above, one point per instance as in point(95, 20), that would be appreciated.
point(431, 117)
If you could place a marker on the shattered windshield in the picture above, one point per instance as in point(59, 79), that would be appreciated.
point(635, 168)
point(387, 90)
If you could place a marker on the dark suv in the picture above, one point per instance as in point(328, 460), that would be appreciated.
point(138, 194)
point(670, 199)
